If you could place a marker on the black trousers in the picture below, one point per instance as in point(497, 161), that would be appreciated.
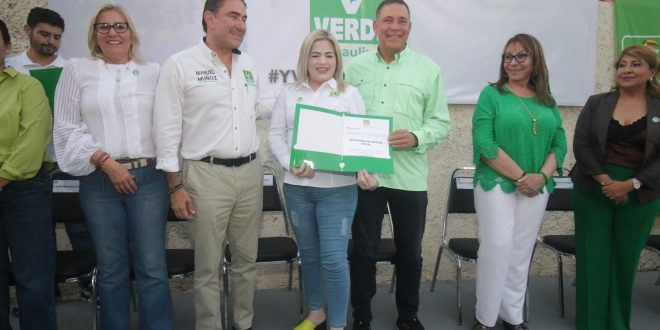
point(408, 210)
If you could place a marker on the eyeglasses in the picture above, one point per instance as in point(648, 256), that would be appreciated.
point(104, 28)
point(520, 57)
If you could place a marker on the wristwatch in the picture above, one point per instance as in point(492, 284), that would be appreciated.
point(636, 183)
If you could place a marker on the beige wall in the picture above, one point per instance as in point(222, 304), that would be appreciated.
point(456, 151)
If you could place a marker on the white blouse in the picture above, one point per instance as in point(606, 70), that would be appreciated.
point(103, 106)
point(280, 133)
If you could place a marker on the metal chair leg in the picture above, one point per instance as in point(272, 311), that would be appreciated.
point(393, 280)
point(301, 305)
point(290, 275)
point(225, 296)
point(436, 268)
point(561, 284)
point(95, 301)
point(459, 303)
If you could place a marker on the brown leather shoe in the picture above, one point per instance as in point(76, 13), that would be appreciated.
point(479, 326)
point(509, 326)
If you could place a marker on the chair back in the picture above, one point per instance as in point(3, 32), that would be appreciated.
point(460, 197)
point(273, 197)
point(560, 199)
point(66, 197)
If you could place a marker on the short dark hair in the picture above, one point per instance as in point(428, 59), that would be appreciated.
point(213, 6)
point(389, 2)
point(5, 32)
point(44, 15)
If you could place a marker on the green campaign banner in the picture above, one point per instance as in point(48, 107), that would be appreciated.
point(637, 23)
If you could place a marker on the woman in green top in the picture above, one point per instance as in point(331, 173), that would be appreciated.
point(518, 143)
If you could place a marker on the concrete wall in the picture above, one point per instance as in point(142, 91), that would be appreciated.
point(456, 151)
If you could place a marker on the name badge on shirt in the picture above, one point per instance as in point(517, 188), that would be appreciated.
point(206, 76)
point(249, 78)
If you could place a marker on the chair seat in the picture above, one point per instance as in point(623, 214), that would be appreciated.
point(273, 249)
point(464, 247)
point(562, 243)
point(654, 242)
point(72, 264)
point(180, 261)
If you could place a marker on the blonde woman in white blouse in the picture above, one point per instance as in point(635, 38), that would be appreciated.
point(321, 204)
point(102, 133)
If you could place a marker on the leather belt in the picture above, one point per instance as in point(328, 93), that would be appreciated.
point(131, 164)
point(235, 162)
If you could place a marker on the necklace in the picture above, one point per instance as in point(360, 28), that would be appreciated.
point(533, 116)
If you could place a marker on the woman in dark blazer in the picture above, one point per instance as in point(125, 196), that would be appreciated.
point(617, 195)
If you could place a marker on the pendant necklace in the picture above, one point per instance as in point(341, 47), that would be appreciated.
point(533, 116)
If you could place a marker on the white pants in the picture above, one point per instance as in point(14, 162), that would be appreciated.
point(508, 225)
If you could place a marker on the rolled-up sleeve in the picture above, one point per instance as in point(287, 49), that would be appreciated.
point(436, 122)
point(27, 151)
point(168, 118)
point(74, 145)
point(483, 128)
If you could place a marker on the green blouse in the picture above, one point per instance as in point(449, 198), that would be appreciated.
point(500, 120)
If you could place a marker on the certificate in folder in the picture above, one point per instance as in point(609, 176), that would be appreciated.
point(342, 142)
point(48, 78)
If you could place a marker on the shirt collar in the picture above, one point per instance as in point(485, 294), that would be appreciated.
point(402, 55)
point(24, 60)
point(8, 72)
point(332, 84)
point(208, 51)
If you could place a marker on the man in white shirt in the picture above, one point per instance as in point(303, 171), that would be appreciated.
point(44, 28)
point(206, 141)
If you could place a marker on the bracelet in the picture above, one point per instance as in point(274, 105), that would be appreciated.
point(545, 177)
point(103, 160)
point(521, 176)
point(98, 159)
point(175, 188)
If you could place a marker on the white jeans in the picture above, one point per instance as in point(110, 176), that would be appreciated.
point(508, 225)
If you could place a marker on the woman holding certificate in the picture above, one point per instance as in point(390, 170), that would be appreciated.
point(321, 204)
point(518, 144)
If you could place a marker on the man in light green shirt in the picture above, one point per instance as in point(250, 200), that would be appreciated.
point(26, 229)
point(394, 81)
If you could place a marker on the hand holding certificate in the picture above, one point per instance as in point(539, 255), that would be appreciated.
point(337, 141)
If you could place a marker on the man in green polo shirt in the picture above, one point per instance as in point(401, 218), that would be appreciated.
point(26, 230)
point(394, 81)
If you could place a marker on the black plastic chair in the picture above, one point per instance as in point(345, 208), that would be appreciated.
point(71, 265)
point(460, 200)
point(653, 244)
point(561, 245)
point(279, 249)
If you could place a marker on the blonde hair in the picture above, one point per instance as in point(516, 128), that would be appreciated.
point(648, 55)
point(92, 42)
point(302, 73)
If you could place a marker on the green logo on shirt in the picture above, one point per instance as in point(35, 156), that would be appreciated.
point(350, 21)
point(249, 78)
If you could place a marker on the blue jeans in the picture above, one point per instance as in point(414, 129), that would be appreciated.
point(26, 229)
point(129, 233)
point(321, 219)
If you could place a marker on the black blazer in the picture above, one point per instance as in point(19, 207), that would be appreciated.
point(590, 139)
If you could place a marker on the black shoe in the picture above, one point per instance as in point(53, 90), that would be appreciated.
point(361, 325)
point(508, 326)
point(479, 326)
point(412, 324)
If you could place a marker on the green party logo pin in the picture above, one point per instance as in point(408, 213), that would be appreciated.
point(249, 78)
point(334, 93)
point(350, 21)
